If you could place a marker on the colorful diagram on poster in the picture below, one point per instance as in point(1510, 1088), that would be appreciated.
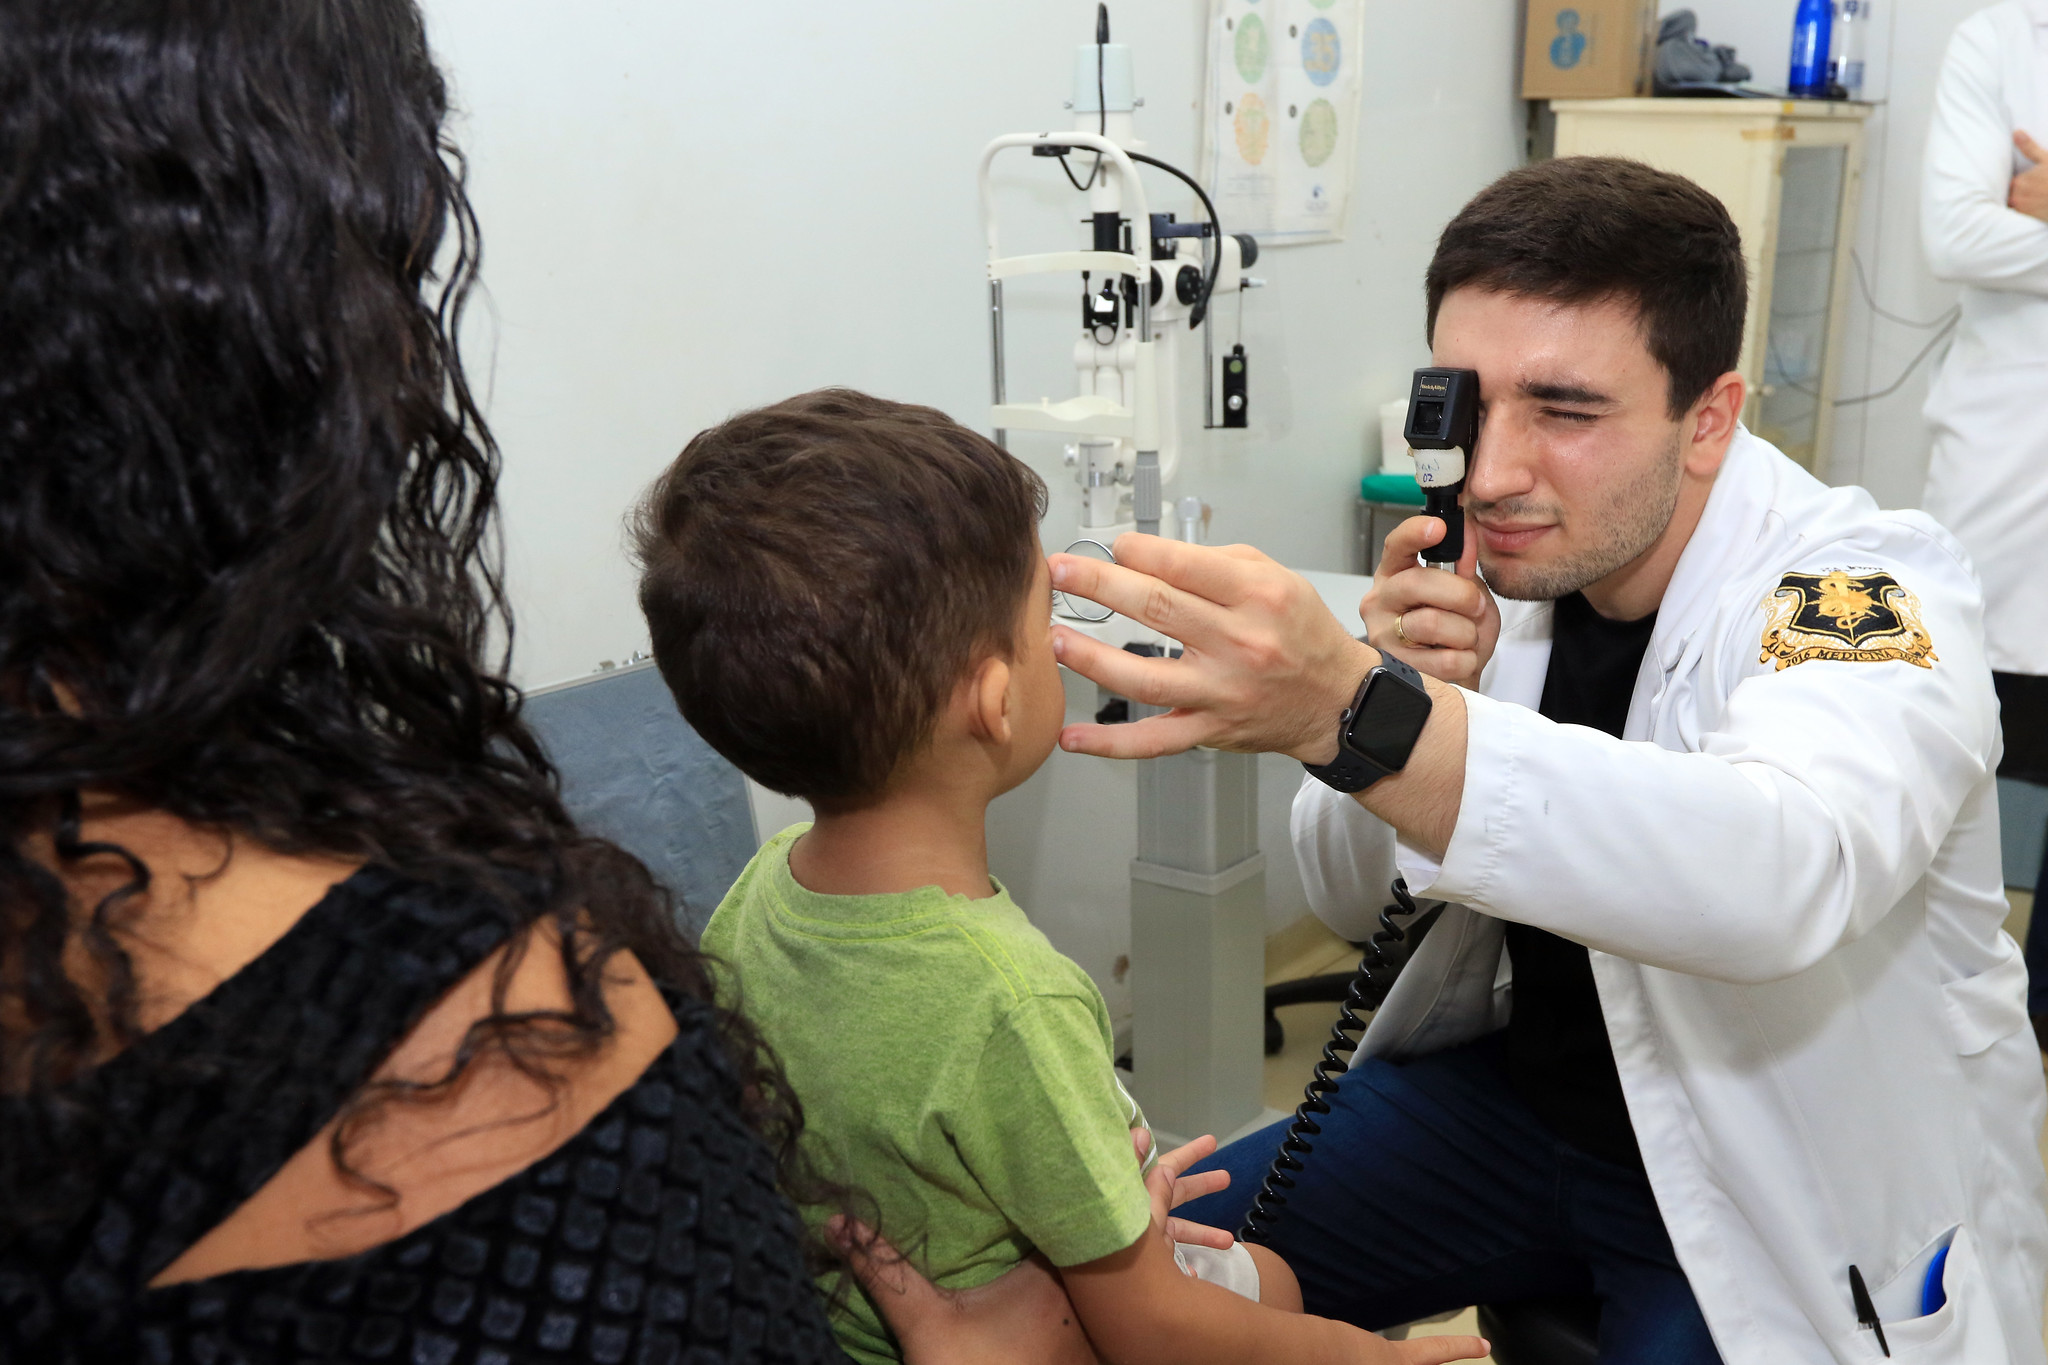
point(1281, 111)
point(1250, 50)
point(1254, 129)
point(1321, 53)
point(1318, 132)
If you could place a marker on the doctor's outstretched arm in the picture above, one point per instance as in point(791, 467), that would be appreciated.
point(1266, 669)
point(1795, 824)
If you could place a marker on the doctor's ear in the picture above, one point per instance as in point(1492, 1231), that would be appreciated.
point(1711, 423)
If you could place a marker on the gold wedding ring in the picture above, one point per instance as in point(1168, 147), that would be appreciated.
point(1401, 629)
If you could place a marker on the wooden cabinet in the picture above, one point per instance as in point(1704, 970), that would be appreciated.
point(1789, 172)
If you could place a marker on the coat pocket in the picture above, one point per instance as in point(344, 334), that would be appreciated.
point(1964, 1331)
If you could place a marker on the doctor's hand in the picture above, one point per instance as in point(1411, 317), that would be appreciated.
point(1445, 625)
point(2029, 193)
point(1266, 667)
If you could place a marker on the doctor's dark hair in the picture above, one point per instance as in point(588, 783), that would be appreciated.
point(247, 530)
point(1581, 229)
point(818, 575)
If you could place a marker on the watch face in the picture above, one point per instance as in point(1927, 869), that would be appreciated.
point(1388, 721)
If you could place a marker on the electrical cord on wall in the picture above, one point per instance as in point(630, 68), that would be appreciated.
point(1863, 283)
point(1943, 335)
point(1944, 326)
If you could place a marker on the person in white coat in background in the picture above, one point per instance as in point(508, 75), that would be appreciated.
point(1984, 222)
point(1720, 1024)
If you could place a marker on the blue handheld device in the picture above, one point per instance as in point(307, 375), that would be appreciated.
point(1932, 1295)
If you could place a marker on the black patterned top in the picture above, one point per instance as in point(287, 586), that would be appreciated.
point(654, 1235)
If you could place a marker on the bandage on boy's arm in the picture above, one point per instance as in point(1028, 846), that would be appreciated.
point(1139, 1309)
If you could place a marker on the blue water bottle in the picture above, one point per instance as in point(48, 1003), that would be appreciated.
point(1810, 31)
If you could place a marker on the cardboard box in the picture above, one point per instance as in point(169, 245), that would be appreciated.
point(1588, 49)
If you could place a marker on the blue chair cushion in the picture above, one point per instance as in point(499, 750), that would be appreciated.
point(635, 772)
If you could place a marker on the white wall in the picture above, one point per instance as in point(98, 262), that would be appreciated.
point(689, 210)
point(1881, 444)
point(692, 209)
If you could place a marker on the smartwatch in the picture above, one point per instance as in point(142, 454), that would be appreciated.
point(1378, 730)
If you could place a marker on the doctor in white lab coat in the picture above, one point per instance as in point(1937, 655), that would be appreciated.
point(1984, 221)
point(1782, 865)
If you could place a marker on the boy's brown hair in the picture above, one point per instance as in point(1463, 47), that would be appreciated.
point(819, 574)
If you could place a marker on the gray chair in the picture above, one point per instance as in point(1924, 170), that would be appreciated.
point(635, 772)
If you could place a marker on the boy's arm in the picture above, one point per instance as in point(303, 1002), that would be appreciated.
point(1043, 1132)
point(1138, 1309)
point(1026, 1316)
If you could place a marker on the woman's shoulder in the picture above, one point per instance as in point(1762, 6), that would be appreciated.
point(500, 1071)
point(655, 1229)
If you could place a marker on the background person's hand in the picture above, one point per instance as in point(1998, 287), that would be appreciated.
point(1266, 667)
point(2029, 192)
point(1022, 1317)
point(1444, 624)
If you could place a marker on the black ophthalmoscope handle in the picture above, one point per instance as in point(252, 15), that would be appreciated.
point(1442, 503)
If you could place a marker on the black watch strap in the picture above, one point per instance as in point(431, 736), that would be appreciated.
point(1351, 771)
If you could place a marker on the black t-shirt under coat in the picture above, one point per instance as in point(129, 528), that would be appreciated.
point(1558, 1052)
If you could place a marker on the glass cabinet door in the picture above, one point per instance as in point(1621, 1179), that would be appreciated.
point(1802, 288)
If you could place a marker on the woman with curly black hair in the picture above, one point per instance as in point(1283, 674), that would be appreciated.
point(324, 1033)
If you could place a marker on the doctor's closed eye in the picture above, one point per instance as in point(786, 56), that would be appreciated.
point(1570, 402)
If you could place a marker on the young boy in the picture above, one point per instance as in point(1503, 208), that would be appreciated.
point(848, 599)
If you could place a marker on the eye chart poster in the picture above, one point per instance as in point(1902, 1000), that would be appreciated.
point(1280, 117)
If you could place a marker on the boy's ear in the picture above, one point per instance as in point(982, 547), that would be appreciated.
point(988, 700)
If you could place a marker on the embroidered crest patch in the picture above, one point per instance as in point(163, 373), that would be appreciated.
point(1858, 617)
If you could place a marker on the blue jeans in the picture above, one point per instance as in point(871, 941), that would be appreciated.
point(1433, 1187)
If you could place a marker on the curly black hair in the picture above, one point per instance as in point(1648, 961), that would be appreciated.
point(251, 576)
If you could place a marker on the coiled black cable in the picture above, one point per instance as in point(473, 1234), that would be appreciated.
point(1369, 988)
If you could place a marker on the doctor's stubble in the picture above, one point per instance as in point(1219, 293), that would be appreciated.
point(1616, 532)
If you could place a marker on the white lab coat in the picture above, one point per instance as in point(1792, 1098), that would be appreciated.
point(1987, 479)
point(1790, 885)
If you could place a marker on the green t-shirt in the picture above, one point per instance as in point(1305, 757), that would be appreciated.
point(951, 1065)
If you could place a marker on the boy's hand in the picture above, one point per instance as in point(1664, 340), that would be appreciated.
point(1170, 1189)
